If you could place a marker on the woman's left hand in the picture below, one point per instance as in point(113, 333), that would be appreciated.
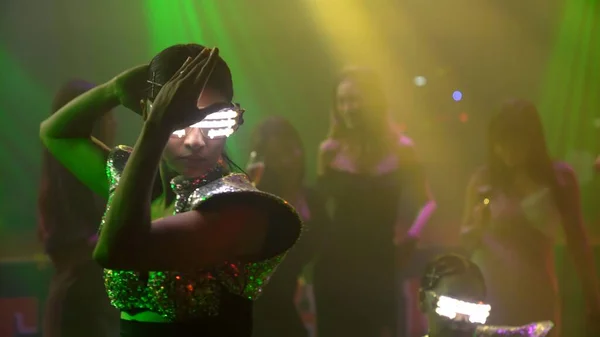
point(175, 106)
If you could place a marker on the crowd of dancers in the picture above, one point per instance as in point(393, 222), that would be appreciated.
point(172, 238)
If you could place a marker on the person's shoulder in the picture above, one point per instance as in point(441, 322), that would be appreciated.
point(329, 145)
point(565, 173)
point(120, 150)
point(406, 148)
point(405, 141)
point(561, 167)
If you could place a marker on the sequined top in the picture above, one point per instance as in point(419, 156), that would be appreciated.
point(538, 329)
point(197, 293)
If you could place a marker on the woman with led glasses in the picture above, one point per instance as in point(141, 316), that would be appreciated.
point(451, 296)
point(187, 244)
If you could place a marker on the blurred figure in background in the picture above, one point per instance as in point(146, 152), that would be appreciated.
point(377, 187)
point(69, 218)
point(517, 208)
point(277, 165)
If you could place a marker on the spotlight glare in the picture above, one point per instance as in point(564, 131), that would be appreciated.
point(420, 81)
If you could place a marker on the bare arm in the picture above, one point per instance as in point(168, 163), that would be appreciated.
point(418, 192)
point(576, 236)
point(471, 230)
point(131, 240)
point(67, 135)
point(469, 220)
point(327, 151)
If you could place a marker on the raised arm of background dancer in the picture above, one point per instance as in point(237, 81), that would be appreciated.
point(67, 135)
point(470, 218)
point(471, 226)
point(418, 191)
point(327, 151)
point(576, 237)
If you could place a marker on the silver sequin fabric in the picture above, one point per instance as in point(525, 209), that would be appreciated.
point(184, 295)
point(539, 329)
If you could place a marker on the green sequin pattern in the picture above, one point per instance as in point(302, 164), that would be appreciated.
point(181, 295)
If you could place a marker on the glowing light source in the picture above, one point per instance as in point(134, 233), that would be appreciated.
point(214, 124)
point(218, 124)
point(464, 117)
point(453, 308)
point(457, 95)
point(212, 133)
point(420, 81)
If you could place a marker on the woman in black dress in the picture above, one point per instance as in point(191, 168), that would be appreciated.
point(371, 174)
point(277, 166)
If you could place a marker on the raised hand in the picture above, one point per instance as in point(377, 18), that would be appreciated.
point(175, 106)
point(130, 87)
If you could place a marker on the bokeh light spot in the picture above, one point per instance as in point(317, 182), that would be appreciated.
point(420, 81)
point(457, 95)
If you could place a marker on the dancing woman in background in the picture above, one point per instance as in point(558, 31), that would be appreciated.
point(69, 214)
point(277, 167)
point(377, 186)
point(531, 203)
point(187, 244)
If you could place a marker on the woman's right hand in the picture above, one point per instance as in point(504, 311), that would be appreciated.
point(471, 234)
point(255, 168)
point(478, 217)
point(130, 87)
